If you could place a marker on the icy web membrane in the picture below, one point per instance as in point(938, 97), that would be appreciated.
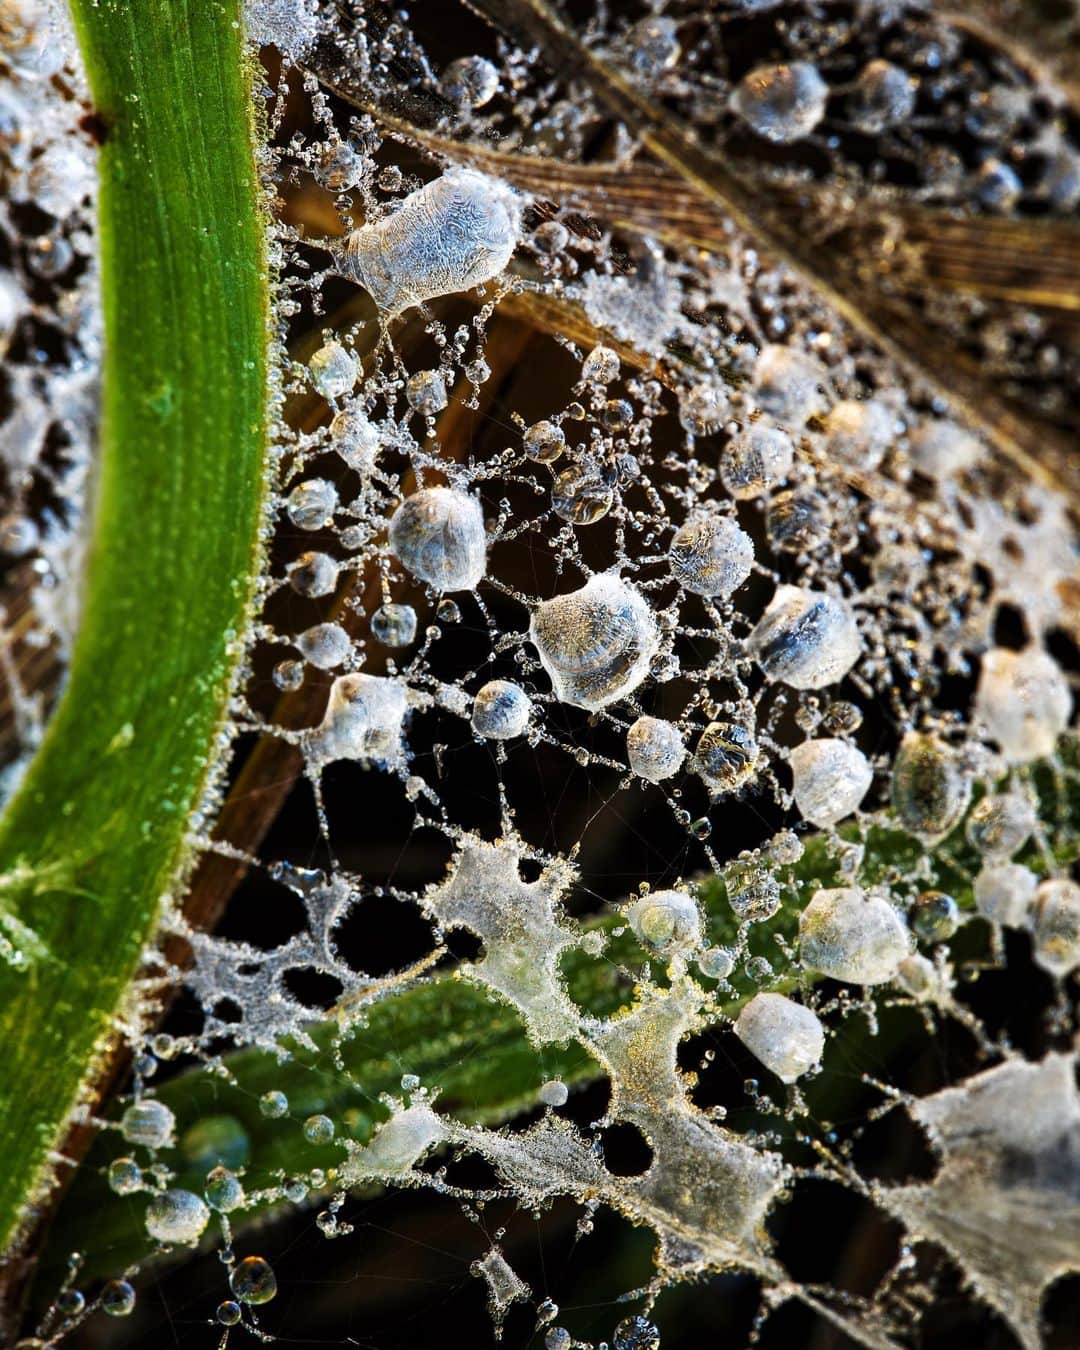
point(663, 651)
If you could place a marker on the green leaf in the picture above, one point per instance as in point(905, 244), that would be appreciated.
point(95, 839)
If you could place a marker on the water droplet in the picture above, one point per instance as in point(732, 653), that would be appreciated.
point(125, 1176)
point(273, 1105)
point(176, 1216)
point(312, 503)
point(148, 1122)
point(554, 1093)
point(318, 1129)
point(253, 1280)
point(710, 555)
point(118, 1298)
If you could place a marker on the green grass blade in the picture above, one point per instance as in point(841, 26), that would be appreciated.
point(95, 837)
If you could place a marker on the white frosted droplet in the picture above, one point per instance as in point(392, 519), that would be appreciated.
point(667, 920)
point(859, 431)
point(325, 645)
point(450, 235)
point(848, 935)
point(596, 643)
point(786, 1036)
point(655, 748)
point(333, 370)
point(940, 449)
point(756, 460)
point(806, 639)
point(554, 1093)
point(1004, 892)
point(786, 383)
point(438, 533)
point(782, 103)
point(501, 710)
point(831, 778)
point(1001, 823)
point(1024, 701)
point(149, 1122)
point(710, 555)
point(177, 1216)
point(1055, 925)
point(364, 719)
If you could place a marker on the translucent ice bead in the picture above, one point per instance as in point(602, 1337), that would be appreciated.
point(786, 383)
point(333, 370)
point(782, 103)
point(710, 555)
point(253, 1280)
point(149, 1123)
point(313, 574)
point(601, 366)
point(426, 392)
point(702, 409)
point(1024, 701)
point(470, 81)
point(930, 788)
point(1000, 824)
point(940, 449)
point(311, 504)
point(176, 1216)
point(450, 235)
point(544, 442)
point(1004, 893)
point(666, 920)
point(726, 757)
point(831, 778)
point(597, 643)
point(655, 749)
point(1055, 925)
point(883, 97)
point(805, 639)
point(859, 431)
point(756, 460)
point(364, 718)
point(501, 710)
point(325, 646)
point(850, 936)
point(355, 438)
point(652, 46)
point(785, 1036)
point(394, 625)
point(438, 533)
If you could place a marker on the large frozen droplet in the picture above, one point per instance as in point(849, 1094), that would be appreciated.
point(1000, 823)
point(355, 438)
point(831, 778)
point(848, 935)
point(666, 920)
point(787, 384)
point(782, 103)
point(654, 748)
point(1055, 924)
point(859, 432)
point(726, 757)
point(333, 370)
point(710, 555)
point(596, 643)
point(176, 1216)
point(756, 460)
point(806, 639)
point(930, 788)
point(1004, 893)
point(364, 718)
point(149, 1123)
point(787, 1037)
point(1024, 701)
point(450, 235)
point(326, 645)
point(394, 625)
point(883, 96)
point(312, 504)
point(438, 533)
point(501, 710)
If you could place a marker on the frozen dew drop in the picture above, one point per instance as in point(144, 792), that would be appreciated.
point(785, 848)
point(558, 1338)
point(447, 611)
point(224, 1190)
point(842, 718)
point(426, 392)
point(850, 936)
point(702, 409)
point(859, 431)
point(470, 81)
point(583, 493)
point(1024, 701)
point(756, 460)
point(333, 370)
point(597, 643)
point(883, 97)
point(710, 555)
point(1055, 925)
point(288, 675)
point(149, 1123)
point(805, 639)
point(394, 625)
point(176, 1217)
point(667, 920)
point(355, 438)
point(636, 1333)
point(798, 521)
point(1000, 824)
point(726, 757)
point(550, 237)
point(940, 449)
point(326, 645)
point(652, 46)
point(438, 534)
point(71, 1302)
point(118, 1298)
point(601, 366)
point(125, 1176)
point(338, 166)
point(313, 574)
point(228, 1313)
point(318, 1129)
point(782, 103)
point(364, 719)
point(918, 977)
point(312, 503)
point(716, 963)
point(1004, 893)
point(830, 779)
point(753, 892)
point(554, 1093)
point(654, 748)
point(786, 1036)
point(452, 234)
point(787, 383)
point(501, 710)
point(544, 442)
point(934, 917)
point(273, 1105)
point(930, 789)
point(997, 186)
point(253, 1280)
